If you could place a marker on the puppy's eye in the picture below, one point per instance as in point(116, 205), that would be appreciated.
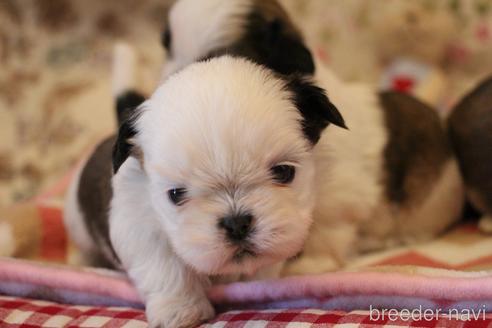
point(283, 174)
point(177, 196)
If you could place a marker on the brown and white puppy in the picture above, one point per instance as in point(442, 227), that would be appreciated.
point(219, 171)
point(470, 129)
point(392, 179)
point(213, 177)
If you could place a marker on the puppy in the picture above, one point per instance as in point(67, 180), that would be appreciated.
point(211, 176)
point(391, 180)
point(255, 29)
point(470, 129)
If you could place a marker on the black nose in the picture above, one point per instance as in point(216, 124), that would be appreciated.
point(237, 227)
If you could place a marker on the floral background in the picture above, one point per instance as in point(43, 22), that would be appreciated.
point(55, 65)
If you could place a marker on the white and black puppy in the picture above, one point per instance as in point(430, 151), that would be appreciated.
point(470, 129)
point(255, 29)
point(391, 180)
point(213, 175)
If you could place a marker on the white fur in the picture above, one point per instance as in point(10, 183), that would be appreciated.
point(348, 171)
point(174, 295)
point(198, 27)
point(350, 192)
point(215, 128)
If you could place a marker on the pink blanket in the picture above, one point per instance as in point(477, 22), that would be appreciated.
point(402, 288)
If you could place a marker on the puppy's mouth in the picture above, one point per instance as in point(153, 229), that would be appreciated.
point(243, 253)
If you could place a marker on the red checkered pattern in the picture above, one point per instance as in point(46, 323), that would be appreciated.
point(25, 313)
point(318, 318)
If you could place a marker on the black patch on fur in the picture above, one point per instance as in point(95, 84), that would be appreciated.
point(126, 104)
point(470, 130)
point(416, 149)
point(270, 44)
point(274, 43)
point(94, 195)
point(316, 109)
point(123, 146)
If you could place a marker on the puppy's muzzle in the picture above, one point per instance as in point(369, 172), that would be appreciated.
point(237, 227)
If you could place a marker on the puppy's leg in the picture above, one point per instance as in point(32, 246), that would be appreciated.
point(174, 294)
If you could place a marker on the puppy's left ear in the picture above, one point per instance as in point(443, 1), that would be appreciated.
point(123, 146)
point(316, 109)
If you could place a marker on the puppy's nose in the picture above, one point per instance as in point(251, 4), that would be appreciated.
point(237, 227)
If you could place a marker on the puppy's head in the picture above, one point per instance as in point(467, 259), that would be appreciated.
point(259, 30)
point(226, 146)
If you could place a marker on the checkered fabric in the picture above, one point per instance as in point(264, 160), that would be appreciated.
point(25, 313)
point(317, 318)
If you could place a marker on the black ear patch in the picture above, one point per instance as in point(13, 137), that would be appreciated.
point(126, 103)
point(316, 109)
point(123, 146)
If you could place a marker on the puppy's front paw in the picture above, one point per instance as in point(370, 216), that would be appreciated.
point(177, 312)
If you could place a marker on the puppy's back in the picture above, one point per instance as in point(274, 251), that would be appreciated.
point(470, 130)
point(422, 187)
point(94, 195)
point(86, 208)
point(417, 147)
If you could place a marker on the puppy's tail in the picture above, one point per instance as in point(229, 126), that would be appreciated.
point(127, 98)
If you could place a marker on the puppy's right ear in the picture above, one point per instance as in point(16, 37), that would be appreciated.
point(123, 146)
point(316, 109)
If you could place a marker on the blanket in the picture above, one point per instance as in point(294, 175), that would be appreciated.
point(418, 295)
point(399, 287)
